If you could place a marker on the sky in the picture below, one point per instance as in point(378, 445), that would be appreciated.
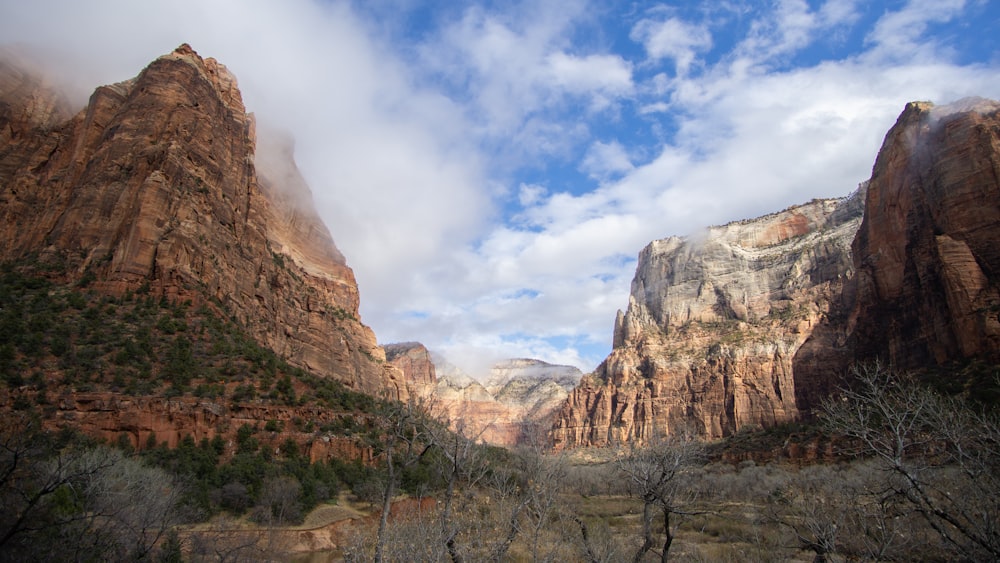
point(491, 170)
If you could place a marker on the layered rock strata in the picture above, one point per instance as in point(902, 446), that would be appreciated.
point(713, 324)
point(156, 185)
point(533, 389)
point(140, 421)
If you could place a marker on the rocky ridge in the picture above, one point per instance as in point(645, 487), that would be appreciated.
point(160, 184)
point(713, 324)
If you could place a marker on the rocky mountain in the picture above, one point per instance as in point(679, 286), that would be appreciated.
point(519, 396)
point(926, 292)
point(928, 251)
point(161, 185)
point(755, 322)
point(713, 324)
point(532, 387)
point(417, 366)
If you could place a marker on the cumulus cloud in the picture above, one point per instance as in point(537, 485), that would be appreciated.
point(530, 194)
point(900, 34)
point(673, 38)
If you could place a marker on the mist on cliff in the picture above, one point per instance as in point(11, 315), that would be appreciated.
point(491, 173)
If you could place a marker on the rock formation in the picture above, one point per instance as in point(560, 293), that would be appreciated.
point(516, 403)
point(712, 326)
point(532, 388)
point(414, 360)
point(928, 251)
point(156, 185)
point(115, 417)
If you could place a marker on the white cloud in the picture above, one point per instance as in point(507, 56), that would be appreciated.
point(514, 68)
point(604, 160)
point(531, 194)
point(608, 74)
point(899, 35)
point(673, 38)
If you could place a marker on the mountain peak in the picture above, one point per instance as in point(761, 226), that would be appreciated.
point(155, 185)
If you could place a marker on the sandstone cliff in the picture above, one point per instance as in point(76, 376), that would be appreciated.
point(928, 251)
point(414, 361)
point(712, 327)
point(156, 185)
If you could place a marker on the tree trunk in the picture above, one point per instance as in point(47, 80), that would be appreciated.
point(668, 536)
point(383, 522)
point(647, 531)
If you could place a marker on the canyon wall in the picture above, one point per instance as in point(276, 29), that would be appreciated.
point(713, 324)
point(514, 406)
point(928, 251)
point(158, 185)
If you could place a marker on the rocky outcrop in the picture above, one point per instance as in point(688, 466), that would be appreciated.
point(757, 322)
point(472, 410)
point(713, 324)
point(156, 185)
point(515, 405)
point(414, 361)
point(928, 251)
point(27, 101)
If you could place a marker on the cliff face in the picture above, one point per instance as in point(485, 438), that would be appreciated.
point(712, 327)
point(157, 185)
point(928, 251)
point(414, 361)
point(756, 322)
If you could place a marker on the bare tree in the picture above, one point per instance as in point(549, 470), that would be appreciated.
point(227, 540)
point(658, 474)
point(466, 465)
point(63, 502)
point(939, 454)
point(813, 504)
point(279, 501)
point(402, 442)
point(128, 504)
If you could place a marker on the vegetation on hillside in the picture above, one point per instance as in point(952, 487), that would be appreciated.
point(54, 336)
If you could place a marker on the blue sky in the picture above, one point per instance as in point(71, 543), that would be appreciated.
point(492, 169)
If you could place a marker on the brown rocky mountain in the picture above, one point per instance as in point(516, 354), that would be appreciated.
point(927, 292)
point(161, 184)
point(533, 388)
point(712, 326)
point(928, 251)
point(415, 361)
point(755, 322)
